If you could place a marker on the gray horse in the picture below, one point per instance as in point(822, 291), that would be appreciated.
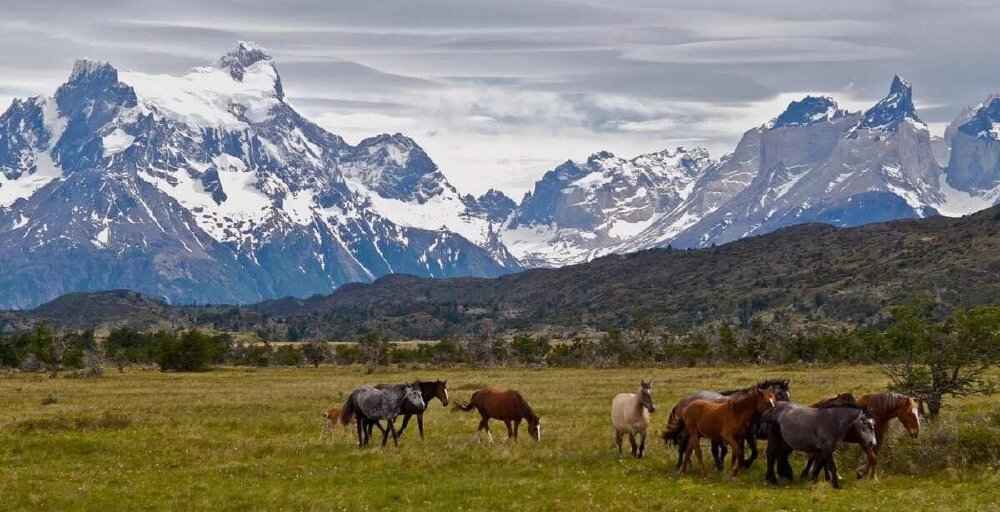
point(817, 432)
point(371, 405)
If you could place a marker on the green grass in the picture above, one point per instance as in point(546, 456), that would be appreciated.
point(237, 439)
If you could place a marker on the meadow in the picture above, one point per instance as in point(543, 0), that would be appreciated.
point(248, 439)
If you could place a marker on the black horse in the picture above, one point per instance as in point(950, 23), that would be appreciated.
point(429, 390)
point(817, 432)
point(756, 430)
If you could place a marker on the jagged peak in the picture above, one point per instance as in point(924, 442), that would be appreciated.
point(807, 111)
point(245, 54)
point(599, 156)
point(93, 71)
point(893, 109)
point(385, 138)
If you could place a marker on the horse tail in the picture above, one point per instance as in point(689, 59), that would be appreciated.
point(348, 411)
point(467, 406)
point(675, 425)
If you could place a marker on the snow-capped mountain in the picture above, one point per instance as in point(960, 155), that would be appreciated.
point(974, 163)
point(579, 211)
point(210, 187)
point(819, 163)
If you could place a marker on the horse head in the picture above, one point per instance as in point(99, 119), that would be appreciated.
point(765, 398)
point(865, 427)
point(646, 395)
point(780, 387)
point(412, 395)
point(534, 427)
point(441, 391)
point(908, 413)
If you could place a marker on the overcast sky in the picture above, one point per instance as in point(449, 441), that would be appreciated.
point(498, 92)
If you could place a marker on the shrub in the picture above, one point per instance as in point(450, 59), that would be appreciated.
point(191, 351)
point(287, 355)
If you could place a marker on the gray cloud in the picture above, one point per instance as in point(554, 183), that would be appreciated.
point(499, 91)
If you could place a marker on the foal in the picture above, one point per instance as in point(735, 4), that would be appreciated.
point(330, 420)
point(505, 405)
point(630, 415)
point(723, 421)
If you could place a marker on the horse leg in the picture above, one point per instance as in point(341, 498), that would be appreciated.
point(751, 441)
point(682, 443)
point(420, 425)
point(785, 467)
point(483, 425)
point(392, 428)
point(806, 471)
point(631, 442)
point(869, 467)
point(697, 448)
point(719, 452)
point(770, 477)
point(402, 427)
point(510, 429)
point(737, 458)
point(686, 457)
point(618, 441)
point(517, 425)
point(642, 444)
point(831, 467)
point(361, 432)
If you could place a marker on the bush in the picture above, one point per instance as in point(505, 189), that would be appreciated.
point(287, 355)
point(190, 352)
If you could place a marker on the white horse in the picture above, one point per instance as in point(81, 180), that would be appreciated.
point(630, 415)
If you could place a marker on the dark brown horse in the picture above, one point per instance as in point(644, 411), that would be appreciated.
point(429, 390)
point(505, 405)
point(722, 420)
point(782, 393)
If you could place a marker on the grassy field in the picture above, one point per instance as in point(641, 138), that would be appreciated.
point(244, 439)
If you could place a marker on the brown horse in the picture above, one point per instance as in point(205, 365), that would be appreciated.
point(505, 405)
point(330, 420)
point(723, 420)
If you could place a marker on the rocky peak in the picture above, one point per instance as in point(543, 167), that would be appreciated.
point(245, 55)
point(807, 111)
point(981, 125)
point(92, 80)
point(893, 109)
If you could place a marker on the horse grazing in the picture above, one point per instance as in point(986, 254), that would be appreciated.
point(722, 420)
point(371, 405)
point(330, 418)
point(817, 432)
point(505, 405)
point(429, 390)
point(883, 408)
point(782, 392)
point(630, 415)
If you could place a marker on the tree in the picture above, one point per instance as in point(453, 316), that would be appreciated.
point(190, 352)
point(951, 358)
point(316, 352)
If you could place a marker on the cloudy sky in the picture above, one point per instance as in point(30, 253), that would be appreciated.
point(498, 92)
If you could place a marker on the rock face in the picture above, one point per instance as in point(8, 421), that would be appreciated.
point(210, 188)
point(816, 160)
point(581, 210)
point(974, 164)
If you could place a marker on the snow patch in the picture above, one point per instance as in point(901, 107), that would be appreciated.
point(116, 142)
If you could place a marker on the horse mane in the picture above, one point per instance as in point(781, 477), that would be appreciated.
point(529, 413)
point(841, 400)
point(769, 383)
point(882, 405)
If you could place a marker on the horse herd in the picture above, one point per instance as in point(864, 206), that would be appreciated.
point(732, 420)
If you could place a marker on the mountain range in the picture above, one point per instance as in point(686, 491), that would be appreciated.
point(803, 278)
point(211, 188)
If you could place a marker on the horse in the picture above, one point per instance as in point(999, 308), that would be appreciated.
point(371, 405)
point(429, 390)
point(782, 392)
point(330, 418)
point(817, 432)
point(883, 408)
point(505, 405)
point(853, 437)
point(630, 415)
point(722, 420)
